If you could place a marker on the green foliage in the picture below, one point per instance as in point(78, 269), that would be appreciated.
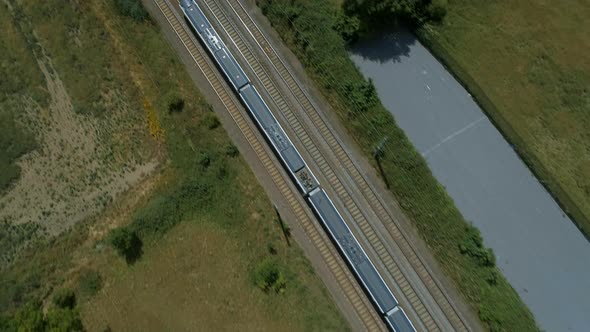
point(437, 10)
point(64, 298)
point(8, 324)
point(14, 142)
point(175, 103)
point(377, 13)
point(127, 244)
point(132, 8)
point(211, 121)
point(232, 150)
point(90, 283)
point(269, 277)
point(64, 320)
point(347, 26)
point(473, 246)
point(204, 159)
point(168, 209)
point(308, 27)
point(30, 318)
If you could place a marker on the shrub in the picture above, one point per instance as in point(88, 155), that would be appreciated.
point(347, 26)
point(174, 103)
point(64, 298)
point(473, 246)
point(64, 319)
point(126, 243)
point(204, 160)
point(437, 10)
point(268, 277)
point(30, 318)
point(211, 121)
point(232, 151)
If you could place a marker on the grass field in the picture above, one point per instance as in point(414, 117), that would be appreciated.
point(525, 62)
point(204, 222)
point(308, 28)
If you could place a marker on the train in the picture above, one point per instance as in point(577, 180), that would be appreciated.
point(340, 234)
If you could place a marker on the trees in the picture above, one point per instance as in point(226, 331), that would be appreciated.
point(385, 12)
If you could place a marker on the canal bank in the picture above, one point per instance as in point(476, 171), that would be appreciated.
point(540, 251)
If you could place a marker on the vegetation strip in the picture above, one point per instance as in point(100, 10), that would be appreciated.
point(311, 29)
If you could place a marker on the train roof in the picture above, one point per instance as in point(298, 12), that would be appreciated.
point(270, 125)
point(352, 249)
point(231, 68)
point(399, 322)
point(195, 15)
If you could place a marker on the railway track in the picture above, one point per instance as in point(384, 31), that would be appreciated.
point(303, 100)
point(369, 232)
point(318, 238)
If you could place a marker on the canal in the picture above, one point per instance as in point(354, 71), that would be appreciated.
point(538, 248)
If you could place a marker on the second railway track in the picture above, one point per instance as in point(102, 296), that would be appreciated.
point(318, 238)
point(378, 207)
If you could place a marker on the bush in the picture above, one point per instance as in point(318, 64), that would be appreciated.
point(132, 8)
point(348, 27)
point(268, 277)
point(64, 319)
point(211, 121)
point(90, 283)
point(204, 160)
point(174, 103)
point(126, 243)
point(437, 10)
point(64, 298)
point(30, 318)
point(473, 246)
point(232, 151)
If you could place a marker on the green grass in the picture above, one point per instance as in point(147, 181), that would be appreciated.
point(523, 63)
point(308, 28)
